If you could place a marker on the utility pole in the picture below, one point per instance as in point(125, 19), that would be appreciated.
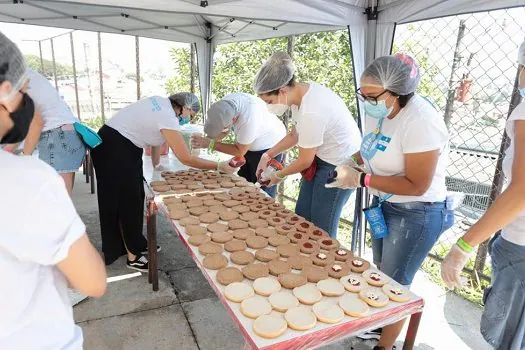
point(449, 107)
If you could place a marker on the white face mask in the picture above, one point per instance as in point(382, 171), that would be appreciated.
point(278, 109)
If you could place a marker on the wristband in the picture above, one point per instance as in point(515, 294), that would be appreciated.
point(279, 175)
point(367, 180)
point(464, 246)
point(354, 158)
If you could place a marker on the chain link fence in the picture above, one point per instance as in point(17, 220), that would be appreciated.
point(469, 72)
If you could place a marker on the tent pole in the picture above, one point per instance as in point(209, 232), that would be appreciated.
point(192, 68)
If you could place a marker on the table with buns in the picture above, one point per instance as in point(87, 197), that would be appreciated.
point(284, 281)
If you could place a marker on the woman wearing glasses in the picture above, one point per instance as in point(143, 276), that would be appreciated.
point(405, 154)
point(324, 131)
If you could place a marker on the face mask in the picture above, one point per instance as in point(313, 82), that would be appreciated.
point(22, 118)
point(378, 111)
point(183, 119)
point(522, 91)
point(277, 109)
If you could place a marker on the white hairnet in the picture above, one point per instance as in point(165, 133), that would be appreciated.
point(220, 115)
point(398, 74)
point(274, 73)
point(186, 99)
point(521, 54)
point(12, 65)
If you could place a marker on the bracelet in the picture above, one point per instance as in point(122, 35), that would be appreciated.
point(211, 147)
point(464, 246)
point(354, 158)
point(362, 179)
point(367, 179)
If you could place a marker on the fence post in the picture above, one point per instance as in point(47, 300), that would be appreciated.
point(41, 58)
point(101, 80)
point(54, 64)
point(137, 65)
point(455, 64)
point(74, 73)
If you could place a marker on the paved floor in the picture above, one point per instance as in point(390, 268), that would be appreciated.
point(185, 313)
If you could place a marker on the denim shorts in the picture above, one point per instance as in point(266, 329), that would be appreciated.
point(321, 205)
point(503, 320)
point(413, 229)
point(62, 149)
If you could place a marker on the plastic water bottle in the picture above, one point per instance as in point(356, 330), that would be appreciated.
point(266, 175)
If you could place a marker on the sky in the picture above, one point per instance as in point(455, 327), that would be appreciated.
point(154, 54)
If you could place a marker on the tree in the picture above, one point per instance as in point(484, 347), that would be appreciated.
point(63, 70)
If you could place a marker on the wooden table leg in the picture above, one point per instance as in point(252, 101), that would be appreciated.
point(413, 326)
point(151, 224)
point(92, 176)
point(87, 160)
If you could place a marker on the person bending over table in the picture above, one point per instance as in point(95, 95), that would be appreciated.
point(503, 318)
point(325, 132)
point(256, 131)
point(43, 241)
point(405, 153)
point(52, 130)
point(118, 165)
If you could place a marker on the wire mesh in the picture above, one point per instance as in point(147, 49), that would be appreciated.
point(469, 70)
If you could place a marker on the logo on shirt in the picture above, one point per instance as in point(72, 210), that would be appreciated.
point(155, 107)
point(372, 143)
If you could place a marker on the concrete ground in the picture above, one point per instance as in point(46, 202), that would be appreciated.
point(186, 314)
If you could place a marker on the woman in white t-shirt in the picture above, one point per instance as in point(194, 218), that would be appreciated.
point(503, 319)
point(325, 132)
point(43, 244)
point(118, 163)
point(256, 131)
point(405, 155)
point(52, 130)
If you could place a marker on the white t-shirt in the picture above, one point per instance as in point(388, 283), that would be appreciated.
point(52, 107)
point(255, 125)
point(416, 128)
point(515, 231)
point(324, 121)
point(142, 121)
point(39, 225)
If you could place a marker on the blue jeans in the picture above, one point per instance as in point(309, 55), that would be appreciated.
point(413, 229)
point(63, 149)
point(320, 205)
point(503, 320)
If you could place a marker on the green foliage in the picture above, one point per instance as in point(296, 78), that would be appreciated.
point(33, 62)
point(94, 123)
point(429, 85)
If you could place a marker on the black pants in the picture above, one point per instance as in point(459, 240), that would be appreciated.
point(248, 170)
point(118, 166)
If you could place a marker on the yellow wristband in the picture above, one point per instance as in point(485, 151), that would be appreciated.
point(464, 246)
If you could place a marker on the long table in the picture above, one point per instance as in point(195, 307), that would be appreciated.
point(319, 335)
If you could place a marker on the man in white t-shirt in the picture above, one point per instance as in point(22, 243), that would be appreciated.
point(52, 130)
point(256, 130)
point(43, 244)
point(503, 320)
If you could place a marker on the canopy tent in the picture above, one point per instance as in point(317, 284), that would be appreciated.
point(371, 23)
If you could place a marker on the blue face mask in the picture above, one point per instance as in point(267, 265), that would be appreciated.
point(183, 119)
point(522, 91)
point(378, 111)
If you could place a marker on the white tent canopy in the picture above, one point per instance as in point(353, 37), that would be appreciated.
point(208, 23)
